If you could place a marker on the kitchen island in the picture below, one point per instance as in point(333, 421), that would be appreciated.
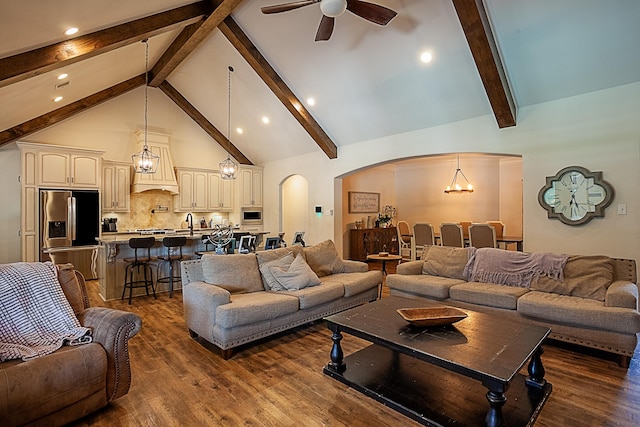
point(114, 247)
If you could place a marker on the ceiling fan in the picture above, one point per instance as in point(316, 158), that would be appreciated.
point(331, 9)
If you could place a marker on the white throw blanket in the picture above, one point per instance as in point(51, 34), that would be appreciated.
point(489, 265)
point(35, 316)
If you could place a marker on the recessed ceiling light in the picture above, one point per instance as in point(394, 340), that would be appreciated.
point(71, 31)
point(63, 76)
point(311, 101)
point(426, 57)
point(239, 130)
point(265, 120)
point(57, 99)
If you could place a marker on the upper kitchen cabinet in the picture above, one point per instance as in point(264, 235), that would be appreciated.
point(68, 168)
point(250, 186)
point(192, 190)
point(220, 193)
point(116, 185)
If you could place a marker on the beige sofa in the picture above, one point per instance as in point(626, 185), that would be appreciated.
point(230, 300)
point(73, 381)
point(593, 303)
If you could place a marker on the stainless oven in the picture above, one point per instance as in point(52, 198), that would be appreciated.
point(251, 216)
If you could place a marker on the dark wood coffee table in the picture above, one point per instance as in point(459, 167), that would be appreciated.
point(425, 373)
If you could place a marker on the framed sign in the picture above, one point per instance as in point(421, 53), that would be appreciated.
point(360, 202)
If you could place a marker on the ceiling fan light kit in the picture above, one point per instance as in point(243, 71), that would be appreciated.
point(331, 9)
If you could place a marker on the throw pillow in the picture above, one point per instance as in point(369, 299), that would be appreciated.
point(270, 282)
point(298, 276)
point(237, 273)
point(585, 276)
point(323, 258)
point(445, 261)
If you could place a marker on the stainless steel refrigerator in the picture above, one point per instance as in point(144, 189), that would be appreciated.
point(69, 226)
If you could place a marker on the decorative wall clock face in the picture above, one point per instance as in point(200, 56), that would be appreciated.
point(575, 195)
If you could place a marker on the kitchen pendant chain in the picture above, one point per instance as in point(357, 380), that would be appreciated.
point(146, 89)
point(229, 106)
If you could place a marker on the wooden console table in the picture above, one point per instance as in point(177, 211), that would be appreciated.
point(371, 241)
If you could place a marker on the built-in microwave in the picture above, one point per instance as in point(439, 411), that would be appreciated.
point(251, 216)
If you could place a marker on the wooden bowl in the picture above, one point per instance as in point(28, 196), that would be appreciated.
point(383, 254)
point(432, 316)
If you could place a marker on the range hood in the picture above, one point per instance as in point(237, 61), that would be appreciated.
point(164, 178)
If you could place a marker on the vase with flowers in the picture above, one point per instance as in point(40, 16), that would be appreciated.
point(384, 220)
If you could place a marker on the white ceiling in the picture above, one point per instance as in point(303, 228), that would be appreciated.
point(367, 80)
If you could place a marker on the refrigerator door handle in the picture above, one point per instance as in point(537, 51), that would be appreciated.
point(71, 217)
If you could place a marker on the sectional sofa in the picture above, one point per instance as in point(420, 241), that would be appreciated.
point(587, 300)
point(230, 300)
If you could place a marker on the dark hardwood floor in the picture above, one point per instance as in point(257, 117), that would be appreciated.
point(178, 381)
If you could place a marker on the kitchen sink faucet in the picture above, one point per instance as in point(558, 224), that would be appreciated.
point(190, 222)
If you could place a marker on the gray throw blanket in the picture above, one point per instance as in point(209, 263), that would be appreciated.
point(488, 265)
point(35, 316)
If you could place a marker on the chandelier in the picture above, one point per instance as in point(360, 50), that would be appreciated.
point(457, 188)
point(228, 168)
point(145, 161)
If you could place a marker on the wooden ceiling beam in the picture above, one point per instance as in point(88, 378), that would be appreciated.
point(188, 40)
point(250, 53)
point(477, 30)
point(63, 113)
point(202, 121)
point(29, 64)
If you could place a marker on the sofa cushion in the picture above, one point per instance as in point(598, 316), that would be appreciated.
point(584, 276)
point(579, 312)
point(622, 294)
point(323, 258)
point(296, 276)
point(355, 283)
point(445, 261)
point(317, 295)
point(39, 387)
point(269, 281)
point(271, 254)
point(423, 285)
point(237, 273)
point(252, 307)
point(489, 294)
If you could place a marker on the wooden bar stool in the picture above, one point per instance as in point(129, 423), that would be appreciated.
point(137, 262)
point(171, 258)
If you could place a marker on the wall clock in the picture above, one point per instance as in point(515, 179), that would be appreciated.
point(575, 195)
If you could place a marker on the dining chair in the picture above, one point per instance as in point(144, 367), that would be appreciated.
point(451, 235)
point(406, 241)
point(499, 226)
point(482, 236)
point(465, 228)
point(423, 236)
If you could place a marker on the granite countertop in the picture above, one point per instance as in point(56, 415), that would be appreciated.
point(124, 236)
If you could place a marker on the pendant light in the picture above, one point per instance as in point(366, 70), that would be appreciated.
point(228, 168)
point(455, 187)
point(145, 161)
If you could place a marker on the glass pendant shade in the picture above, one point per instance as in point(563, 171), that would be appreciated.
point(228, 169)
point(145, 161)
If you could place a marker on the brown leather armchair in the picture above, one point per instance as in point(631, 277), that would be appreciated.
point(75, 380)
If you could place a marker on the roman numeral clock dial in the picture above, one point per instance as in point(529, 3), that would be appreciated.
point(575, 195)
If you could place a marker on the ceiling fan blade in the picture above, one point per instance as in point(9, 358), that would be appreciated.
point(325, 29)
point(371, 12)
point(287, 6)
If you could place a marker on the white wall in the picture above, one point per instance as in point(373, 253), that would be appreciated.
point(599, 131)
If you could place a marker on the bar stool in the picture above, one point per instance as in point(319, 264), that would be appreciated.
point(206, 240)
point(138, 262)
point(172, 258)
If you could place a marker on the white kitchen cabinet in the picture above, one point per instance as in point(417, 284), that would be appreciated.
point(220, 193)
point(68, 168)
point(192, 190)
point(116, 186)
point(250, 186)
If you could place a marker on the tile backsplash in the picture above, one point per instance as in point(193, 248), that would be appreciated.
point(154, 209)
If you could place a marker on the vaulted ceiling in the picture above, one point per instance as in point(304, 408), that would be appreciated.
point(488, 57)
